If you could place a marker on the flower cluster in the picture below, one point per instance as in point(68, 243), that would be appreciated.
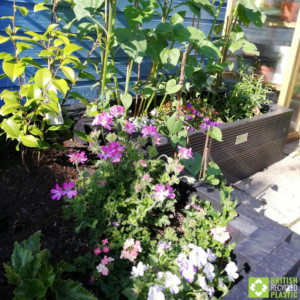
point(129, 127)
point(117, 111)
point(131, 250)
point(220, 234)
point(78, 158)
point(184, 153)
point(67, 189)
point(113, 151)
point(207, 123)
point(102, 268)
point(162, 192)
point(104, 120)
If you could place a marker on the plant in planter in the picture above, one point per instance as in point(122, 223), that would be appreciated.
point(128, 205)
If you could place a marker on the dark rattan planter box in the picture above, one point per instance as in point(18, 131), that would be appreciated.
point(248, 146)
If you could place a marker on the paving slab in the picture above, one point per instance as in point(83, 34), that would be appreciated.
point(275, 191)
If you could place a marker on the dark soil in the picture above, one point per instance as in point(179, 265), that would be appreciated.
point(26, 206)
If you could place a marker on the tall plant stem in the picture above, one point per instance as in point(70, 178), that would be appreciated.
point(51, 22)
point(128, 75)
point(109, 37)
point(137, 92)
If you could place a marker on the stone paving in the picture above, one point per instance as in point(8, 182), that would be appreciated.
point(275, 191)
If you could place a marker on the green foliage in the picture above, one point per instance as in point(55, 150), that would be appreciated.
point(36, 278)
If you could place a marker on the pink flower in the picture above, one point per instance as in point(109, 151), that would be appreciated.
point(113, 151)
point(147, 178)
point(138, 188)
point(101, 182)
point(106, 260)
point(68, 189)
point(78, 157)
point(157, 141)
point(185, 153)
point(131, 250)
point(220, 234)
point(105, 241)
point(117, 110)
point(149, 131)
point(57, 193)
point(102, 269)
point(143, 163)
point(162, 193)
point(129, 127)
point(97, 251)
point(104, 120)
point(106, 249)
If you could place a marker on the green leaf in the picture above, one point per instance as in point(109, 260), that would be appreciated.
point(83, 135)
point(70, 48)
point(153, 259)
point(196, 36)
point(42, 78)
point(31, 61)
point(32, 243)
point(30, 289)
point(11, 274)
point(20, 256)
point(61, 85)
point(133, 42)
point(212, 180)
point(9, 108)
point(11, 128)
point(172, 87)
point(213, 169)
point(170, 56)
point(215, 133)
point(85, 8)
point(13, 70)
point(199, 79)
point(22, 47)
point(30, 141)
point(181, 34)
point(4, 39)
point(133, 15)
point(197, 5)
point(34, 92)
point(69, 73)
point(23, 10)
point(174, 125)
point(250, 48)
point(208, 49)
point(193, 165)
point(68, 289)
point(39, 7)
point(126, 100)
point(178, 18)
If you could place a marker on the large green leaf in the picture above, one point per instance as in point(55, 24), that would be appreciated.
point(13, 69)
point(9, 108)
point(42, 78)
point(30, 141)
point(69, 73)
point(199, 79)
point(170, 56)
point(172, 87)
point(11, 128)
point(126, 100)
point(174, 125)
point(133, 42)
point(196, 35)
point(85, 8)
point(68, 289)
point(30, 289)
point(70, 48)
point(32, 243)
point(11, 274)
point(178, 17)
point(20, 256)
point(61, 85)
point(208, 49)
point(216, 134)
point(248, 12)
point(193, 165)
point(34, 92)
point(181, 34)
point(4, 39)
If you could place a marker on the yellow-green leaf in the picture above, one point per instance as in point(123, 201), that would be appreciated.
point(34, 92)
point(61, 85)
point(71, 48)
point(69, 73)
point(13, 70)
point(39, 7)
point(9, 108)
point(4, 39)
point(30, 141)
point(11, 128)
point(42, 78)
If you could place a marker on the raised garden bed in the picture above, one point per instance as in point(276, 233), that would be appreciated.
point(248, 146)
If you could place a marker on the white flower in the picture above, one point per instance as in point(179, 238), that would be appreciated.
point(205, 287)
point(160, 275)
point(198, 256)
point(172, 281)
point(231, 270)
point(138, 270)
point(156, 293)
point(161, 246)
point(210, 255)
point(188, 271)
point(181, 259)
point(209, 271)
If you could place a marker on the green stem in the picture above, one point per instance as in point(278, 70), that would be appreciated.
point(129, 70)
point(162, 102)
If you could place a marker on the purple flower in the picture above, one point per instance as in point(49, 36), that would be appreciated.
point(198, 114)
point(188, 271)
point(68, 189)
point(149, 131)
point(113, 151)
point(57, 193)
point(204, 126)
point(104, 120)
point(78, 157)
point(185, 153)
point(191, 129)
point(206, 120)
point(188, 105)
point(117, 110)
point(116, 224)
point(129, 127)
point(189, 118)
